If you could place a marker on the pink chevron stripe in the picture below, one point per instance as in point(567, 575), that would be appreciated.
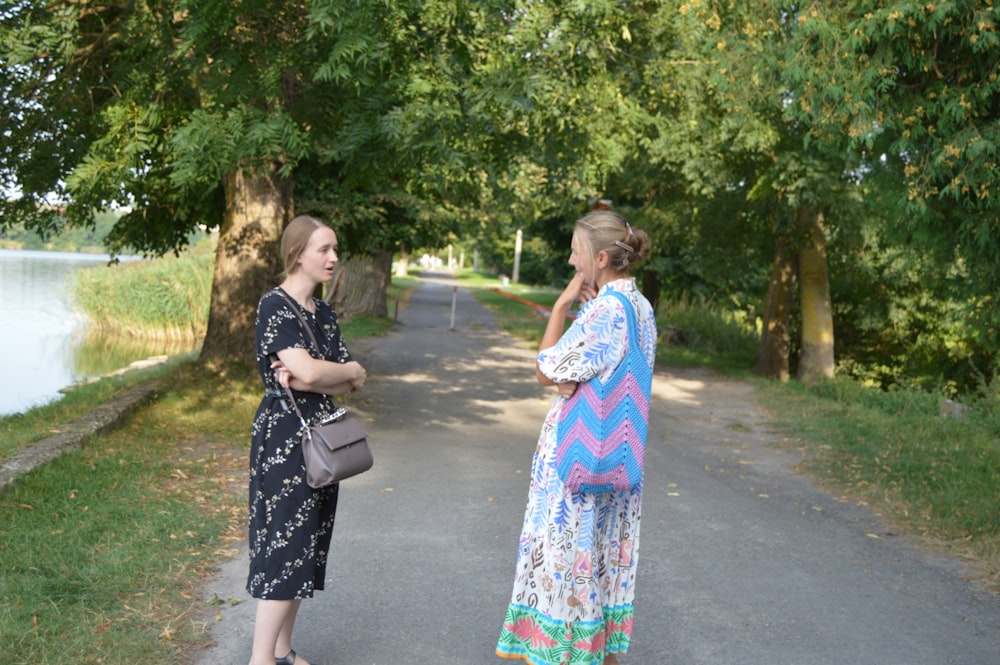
point(624, 432)
point(629, 388)
point(598, 406)
point(628, 383)
point(638, 453)
point(618, 477)
point(586, 392)
point(579, 431)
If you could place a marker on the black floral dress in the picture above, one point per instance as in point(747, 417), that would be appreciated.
point(290, 523)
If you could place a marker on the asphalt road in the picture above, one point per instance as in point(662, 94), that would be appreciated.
point(741, 561)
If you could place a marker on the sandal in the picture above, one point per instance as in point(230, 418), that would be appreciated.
point(287, 660)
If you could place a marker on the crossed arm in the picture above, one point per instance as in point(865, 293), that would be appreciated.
point(298, 370)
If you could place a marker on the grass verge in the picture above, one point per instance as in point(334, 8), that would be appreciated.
point(103, 550)
point(515, 317)
point(20, 429)
point(933, 478)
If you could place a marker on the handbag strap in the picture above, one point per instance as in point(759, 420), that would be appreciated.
point(635, 359)
point(302, 319)
point(631, 322)
point(312, 336)
point(295, 406)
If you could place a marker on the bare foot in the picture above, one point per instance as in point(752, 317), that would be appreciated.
point(611, 659)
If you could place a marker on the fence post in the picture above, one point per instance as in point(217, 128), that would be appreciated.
point(454, 297)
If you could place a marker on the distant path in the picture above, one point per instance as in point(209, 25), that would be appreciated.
point(742, 562)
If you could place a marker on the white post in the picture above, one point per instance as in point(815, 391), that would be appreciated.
point(454, 297)
point(517, 258)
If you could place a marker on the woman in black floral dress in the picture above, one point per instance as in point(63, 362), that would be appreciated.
point(291, 523)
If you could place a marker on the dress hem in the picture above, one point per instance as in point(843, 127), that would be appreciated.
point(541, 640)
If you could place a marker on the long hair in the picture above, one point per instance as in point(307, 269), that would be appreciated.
point(294, 240)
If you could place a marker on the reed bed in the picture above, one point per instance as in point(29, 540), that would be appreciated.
point(163, 298)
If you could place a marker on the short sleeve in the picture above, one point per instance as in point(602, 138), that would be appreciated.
point(335, 349)
point(592, 345)
point(278, 327)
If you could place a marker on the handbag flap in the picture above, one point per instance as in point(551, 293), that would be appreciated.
point(340, 433)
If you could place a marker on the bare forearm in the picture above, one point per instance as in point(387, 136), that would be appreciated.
point(555, 327)
point(322, 376)
point(554, 330)
point(333, 389)
point(305, 373)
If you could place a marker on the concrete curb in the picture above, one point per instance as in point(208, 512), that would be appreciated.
point(101, 420)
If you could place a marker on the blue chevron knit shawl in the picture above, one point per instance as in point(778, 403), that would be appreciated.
point(601, 434)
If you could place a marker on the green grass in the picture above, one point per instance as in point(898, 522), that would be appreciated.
point(705, 335)
point(20, 429)
point(516, 318)
point(103, 550)
point(934, 478)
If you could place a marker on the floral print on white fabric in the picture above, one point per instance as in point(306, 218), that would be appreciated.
point(576, 562)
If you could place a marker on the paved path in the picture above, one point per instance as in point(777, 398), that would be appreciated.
point(742, 562)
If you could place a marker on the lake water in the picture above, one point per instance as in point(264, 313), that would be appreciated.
point(44, 340)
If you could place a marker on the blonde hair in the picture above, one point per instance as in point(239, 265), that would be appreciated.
point(606, 231)
point(295, 238)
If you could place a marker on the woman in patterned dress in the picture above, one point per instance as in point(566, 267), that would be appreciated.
point(291, 523)
point(575, 575)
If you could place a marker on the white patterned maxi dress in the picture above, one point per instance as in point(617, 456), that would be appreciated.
point(576, 561)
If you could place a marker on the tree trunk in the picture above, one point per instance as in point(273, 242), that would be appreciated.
point(359, 285)
point(258, 206)
point(816, 362)
point(652, 286)
point(772, 355)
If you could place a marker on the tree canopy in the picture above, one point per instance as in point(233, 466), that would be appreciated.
point(753, 139)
